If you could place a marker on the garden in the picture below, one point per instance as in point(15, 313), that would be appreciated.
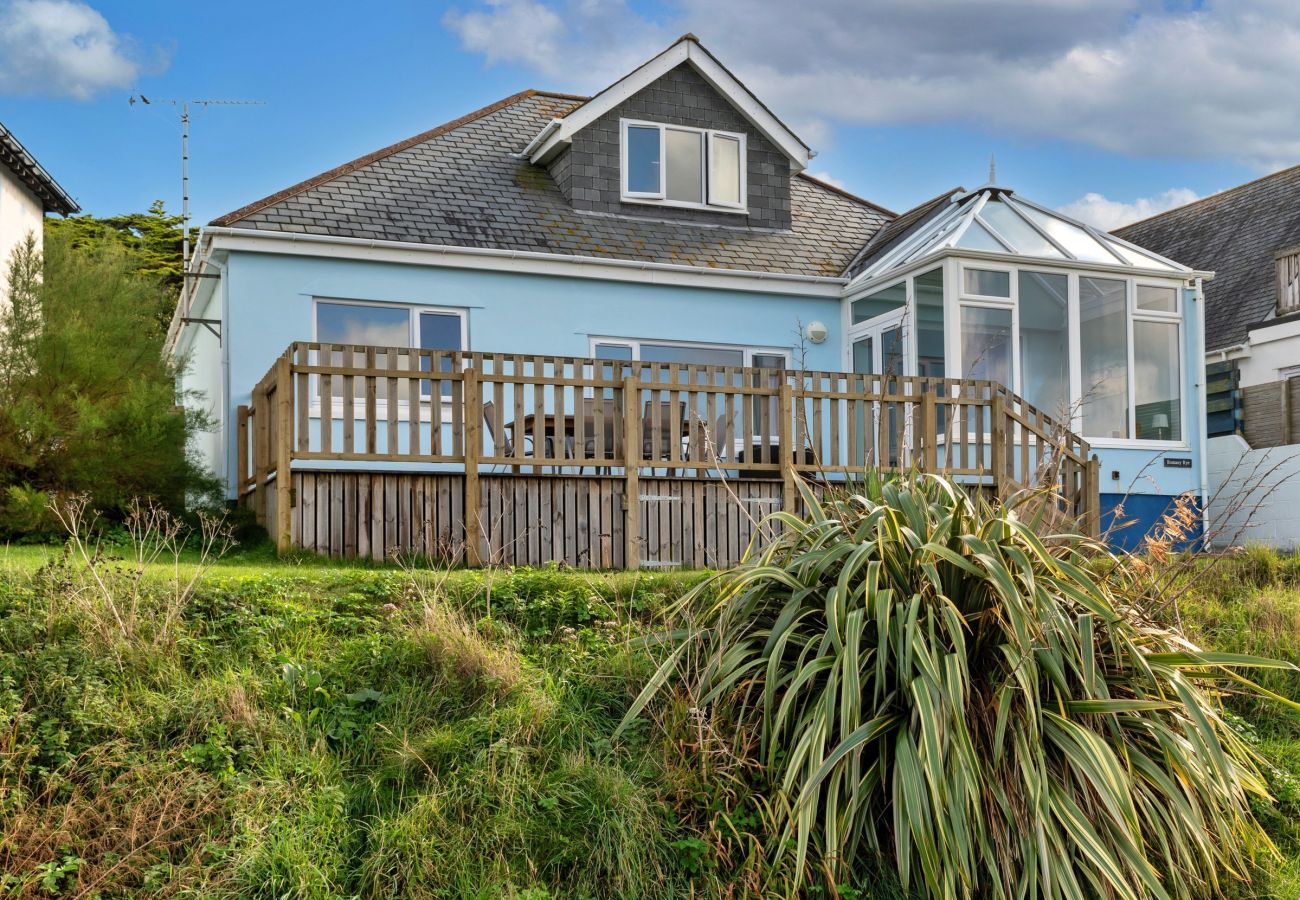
point(909, 695)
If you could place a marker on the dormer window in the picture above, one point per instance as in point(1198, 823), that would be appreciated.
point(672, 165)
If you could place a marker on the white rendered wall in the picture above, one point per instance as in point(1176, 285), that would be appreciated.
point(1254, 494)
point(21, 213)
point(1268, 352)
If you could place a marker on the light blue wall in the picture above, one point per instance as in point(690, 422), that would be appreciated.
point(270, 305)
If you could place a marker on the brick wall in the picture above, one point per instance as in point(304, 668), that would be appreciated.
point(588, 171)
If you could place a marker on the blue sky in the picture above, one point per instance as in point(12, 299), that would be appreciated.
point(1107, 108)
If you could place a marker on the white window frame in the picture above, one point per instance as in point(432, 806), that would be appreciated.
point(412, 337)
point(660, 198)
point(1149, 315)
point(955, 297)
point(749, 350)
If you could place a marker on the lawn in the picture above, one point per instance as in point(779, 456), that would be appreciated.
point(303, 728)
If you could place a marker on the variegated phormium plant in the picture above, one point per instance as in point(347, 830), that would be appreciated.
point(938, 686)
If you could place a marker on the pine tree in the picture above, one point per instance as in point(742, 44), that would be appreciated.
point(89, 403)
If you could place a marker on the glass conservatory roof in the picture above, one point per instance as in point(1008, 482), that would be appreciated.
point(994, 220)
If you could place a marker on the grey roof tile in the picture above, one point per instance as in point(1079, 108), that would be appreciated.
point(1234, 234)
point(459, 185)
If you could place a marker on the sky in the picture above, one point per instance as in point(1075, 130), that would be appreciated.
point(1111, 110)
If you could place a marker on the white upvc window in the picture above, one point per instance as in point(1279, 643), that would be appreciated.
point(673, 165)
point(379, 324)
point(1102, 350)
point(688, 352)
point(698, 353)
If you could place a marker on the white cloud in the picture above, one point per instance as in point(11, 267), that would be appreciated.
point(61, 48)
point(829, 179)
point(1108, 214)
point(1140, 77)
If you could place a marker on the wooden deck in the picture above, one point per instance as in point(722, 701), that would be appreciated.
point(511, 459)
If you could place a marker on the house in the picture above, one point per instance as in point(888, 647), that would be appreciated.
point(27, 193)
point(1250, 236)
point(536, 253)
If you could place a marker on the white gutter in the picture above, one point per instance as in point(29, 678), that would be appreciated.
point(1201, 396)
point(1242, 349)
point(860, 287)
point(536, 142)
point(189, 291)
point(482, 257)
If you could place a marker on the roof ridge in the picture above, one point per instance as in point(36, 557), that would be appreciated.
point(836, 189)
point(559, 95)
point(1217, 195)
point(362, 161)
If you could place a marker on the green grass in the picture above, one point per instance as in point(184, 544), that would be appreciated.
point(1251, 604)
point(315, 729)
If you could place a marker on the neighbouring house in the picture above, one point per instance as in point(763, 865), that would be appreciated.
point(1250, 236)
point(27, 193)
point(619, 291)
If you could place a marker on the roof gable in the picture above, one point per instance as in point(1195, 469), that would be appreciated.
point(687, 49)
point(464, 184)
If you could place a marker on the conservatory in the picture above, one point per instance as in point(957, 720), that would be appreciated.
point(1095, 331)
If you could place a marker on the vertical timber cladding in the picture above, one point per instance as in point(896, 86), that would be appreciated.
point(531, 519)
point(536, 519)
point(698, 524)
point(369, 515)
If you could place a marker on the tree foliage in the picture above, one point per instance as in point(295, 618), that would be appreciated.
point(153, 240)
point(934, 684)
point(87, 397)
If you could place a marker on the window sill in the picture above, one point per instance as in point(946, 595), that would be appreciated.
point(1138, 444)
point(679, 204)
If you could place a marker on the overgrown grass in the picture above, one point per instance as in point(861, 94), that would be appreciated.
point(318, 731)
point(1250, 603)
point(325, 730)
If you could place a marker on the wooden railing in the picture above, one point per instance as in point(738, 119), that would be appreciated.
point(476, 412)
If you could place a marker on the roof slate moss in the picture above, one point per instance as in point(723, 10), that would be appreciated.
point(463, 184)
point(1234, 234)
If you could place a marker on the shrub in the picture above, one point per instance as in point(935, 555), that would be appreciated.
point(87, 400)
point(934, 684)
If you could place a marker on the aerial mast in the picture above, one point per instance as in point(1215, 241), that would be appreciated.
point(185, 156)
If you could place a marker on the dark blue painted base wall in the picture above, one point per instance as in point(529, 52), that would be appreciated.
point(1141, 513)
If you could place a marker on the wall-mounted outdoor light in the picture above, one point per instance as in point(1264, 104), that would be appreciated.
point(816, 332)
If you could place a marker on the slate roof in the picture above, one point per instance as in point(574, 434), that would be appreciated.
point(17, 159)
point(462, 184)
point(900, 228)
point(1234, 234)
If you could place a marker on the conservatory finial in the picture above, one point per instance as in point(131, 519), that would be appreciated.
point(993, 169)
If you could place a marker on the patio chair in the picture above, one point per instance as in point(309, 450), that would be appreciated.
point(609, 428)
point(502, 442)
point(659, 446)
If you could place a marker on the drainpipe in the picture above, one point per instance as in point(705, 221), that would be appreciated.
point(1204, 417)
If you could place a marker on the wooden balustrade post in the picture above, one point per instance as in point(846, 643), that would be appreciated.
point(998, 437)
point(1092, 497)
point(473, 420)
point(929, 431)
point(261, 452)
point(241, 452)
point(632, 471)
point(785, 444)
point(283, 455)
